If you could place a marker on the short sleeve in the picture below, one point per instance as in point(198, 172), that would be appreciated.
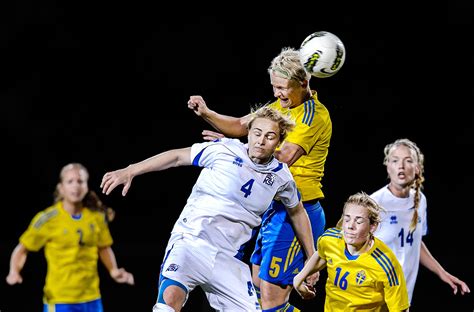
point(105, 238)
point(38, 231)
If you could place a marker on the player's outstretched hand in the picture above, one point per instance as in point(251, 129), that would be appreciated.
point(209, 135)
point(455, 283)
point(112, 179)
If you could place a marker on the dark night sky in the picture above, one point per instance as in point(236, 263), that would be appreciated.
point(107, 85)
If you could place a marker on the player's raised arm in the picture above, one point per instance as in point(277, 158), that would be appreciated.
point(162, 161)
point(229, 126)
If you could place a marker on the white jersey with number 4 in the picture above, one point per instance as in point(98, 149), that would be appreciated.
point(394, 230)
point(231, 194)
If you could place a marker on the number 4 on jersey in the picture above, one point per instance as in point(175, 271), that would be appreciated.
point(247, 188)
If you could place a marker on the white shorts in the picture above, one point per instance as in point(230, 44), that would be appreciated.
point(226, 280)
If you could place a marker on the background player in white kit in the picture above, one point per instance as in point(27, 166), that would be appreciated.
point(404, 221)
point(235, 187)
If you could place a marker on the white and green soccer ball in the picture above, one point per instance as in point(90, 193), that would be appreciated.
point(322, 54)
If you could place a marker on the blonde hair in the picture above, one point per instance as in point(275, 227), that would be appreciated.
point(287, 65)
point(417, 183)
point(91, 200)
point(363, 200)
point(285, 123)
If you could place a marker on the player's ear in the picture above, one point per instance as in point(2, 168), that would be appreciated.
point(373, 227)
point(305, 83)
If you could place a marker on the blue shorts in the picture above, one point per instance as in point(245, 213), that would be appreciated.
point(91, 306)
point(277, 250)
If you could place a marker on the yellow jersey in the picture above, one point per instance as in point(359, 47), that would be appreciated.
point(371, 281)
point(312, 132)
point(71, 251)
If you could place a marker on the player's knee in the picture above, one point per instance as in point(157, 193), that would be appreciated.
point(161, 307)
point(172, 294)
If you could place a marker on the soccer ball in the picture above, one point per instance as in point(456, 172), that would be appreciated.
point(322, 54)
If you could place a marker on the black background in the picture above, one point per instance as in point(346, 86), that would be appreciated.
point(106, 84)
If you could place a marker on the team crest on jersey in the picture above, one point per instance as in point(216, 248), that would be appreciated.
point(269, 179)
point(172, 267)
point(360, 277)
point(238, 161)
point(393, 220)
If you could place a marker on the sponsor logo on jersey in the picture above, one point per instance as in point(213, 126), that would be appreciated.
point(393, 220)
point(238, 161)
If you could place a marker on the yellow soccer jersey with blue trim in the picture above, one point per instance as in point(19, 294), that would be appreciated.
point(372, 281)
point(312, 132)
point(71, 251)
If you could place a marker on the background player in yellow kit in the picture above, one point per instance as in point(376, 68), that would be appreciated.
point(363, 272)
point(74, 233)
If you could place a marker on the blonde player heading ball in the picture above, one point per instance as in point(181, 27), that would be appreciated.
point(277, 255)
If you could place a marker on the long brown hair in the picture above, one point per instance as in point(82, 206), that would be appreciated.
point(91, 199)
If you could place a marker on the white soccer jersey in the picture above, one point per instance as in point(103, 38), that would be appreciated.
point(394, 230)
point(231, 194)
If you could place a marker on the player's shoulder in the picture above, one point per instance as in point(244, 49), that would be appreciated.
point(314, 114)
point(229, 144)
point(332, 233)
point(382, 250)
point(224, 142)
point(98, 215)
point(229, 141)
point(422, 195)
point(45, 216)
point(218, 145)
point(385, 261)
point(378, 194)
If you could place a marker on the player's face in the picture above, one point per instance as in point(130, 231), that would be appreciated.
point(263, 139)
point(356, 225)
point(290, 92)
point(402, 166)
point(73, 186)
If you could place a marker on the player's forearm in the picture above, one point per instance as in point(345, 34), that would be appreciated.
point(162, 161)
point(314, 264)
point(302, 228)
point(18, 259)
point(227, 125)
point(107, 257)
point(428, 261)
point(289, 153)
